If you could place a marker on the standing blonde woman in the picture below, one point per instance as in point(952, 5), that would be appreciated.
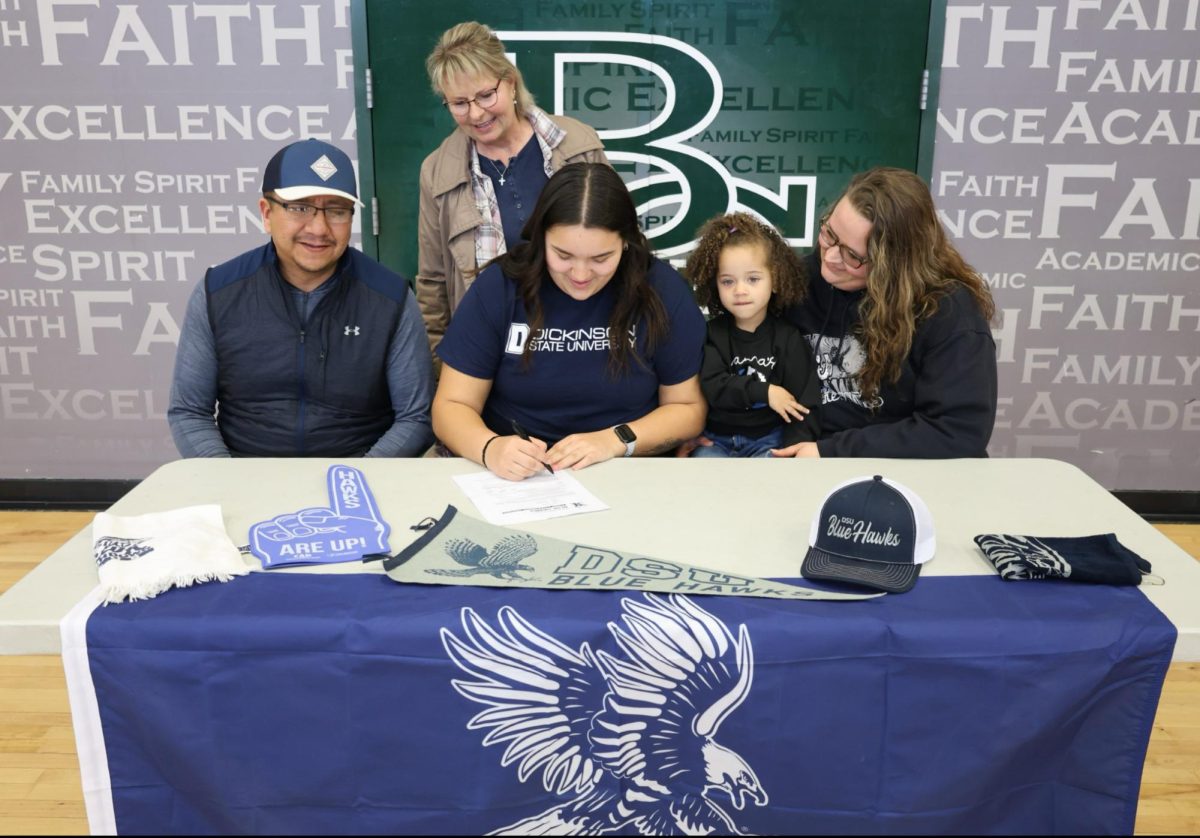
point(899, 325)
point(479, 187)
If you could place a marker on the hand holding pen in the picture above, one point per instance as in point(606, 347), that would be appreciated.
point(523, 434)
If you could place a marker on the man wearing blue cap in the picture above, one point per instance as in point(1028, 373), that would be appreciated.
point(304, 347)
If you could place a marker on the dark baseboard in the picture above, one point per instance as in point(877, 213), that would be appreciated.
point(62, 494)
point(1162, 507)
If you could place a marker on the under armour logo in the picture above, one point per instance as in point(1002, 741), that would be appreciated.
point(351, 330)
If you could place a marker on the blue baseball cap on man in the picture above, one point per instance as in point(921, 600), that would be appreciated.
point(309, 168)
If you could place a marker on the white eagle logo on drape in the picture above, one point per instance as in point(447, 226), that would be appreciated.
point(632, 740)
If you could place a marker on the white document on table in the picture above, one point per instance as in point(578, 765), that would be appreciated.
point(503, 501)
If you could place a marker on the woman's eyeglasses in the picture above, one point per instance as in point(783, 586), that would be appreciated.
point(485, 99)
point(829, 239)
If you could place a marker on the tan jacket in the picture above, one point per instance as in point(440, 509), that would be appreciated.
point(449, 217)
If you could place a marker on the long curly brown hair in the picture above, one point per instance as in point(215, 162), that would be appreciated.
point(912, 265)
point(591, 195)
point(789, 279)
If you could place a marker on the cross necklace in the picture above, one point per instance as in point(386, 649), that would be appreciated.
point(499, 171)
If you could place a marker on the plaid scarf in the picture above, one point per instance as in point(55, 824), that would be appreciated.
point(489, 236)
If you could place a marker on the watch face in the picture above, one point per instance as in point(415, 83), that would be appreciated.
point(625, 434)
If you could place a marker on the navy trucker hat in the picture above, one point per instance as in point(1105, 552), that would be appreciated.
point(309, 168)
point(873, 532)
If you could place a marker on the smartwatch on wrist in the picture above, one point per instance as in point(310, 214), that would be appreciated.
point(628, 437)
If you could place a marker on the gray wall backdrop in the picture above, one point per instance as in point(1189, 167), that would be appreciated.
point(132, 138)
point(1067, 168)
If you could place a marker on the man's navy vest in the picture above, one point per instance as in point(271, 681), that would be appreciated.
point(317, 388)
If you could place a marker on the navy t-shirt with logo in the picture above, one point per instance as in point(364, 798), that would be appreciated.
point(567, 387)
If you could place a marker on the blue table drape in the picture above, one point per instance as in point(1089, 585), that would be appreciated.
point(311, 704)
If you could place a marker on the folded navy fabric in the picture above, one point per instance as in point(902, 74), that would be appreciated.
point(1094, 559)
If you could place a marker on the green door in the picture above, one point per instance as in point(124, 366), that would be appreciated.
point(702, 106)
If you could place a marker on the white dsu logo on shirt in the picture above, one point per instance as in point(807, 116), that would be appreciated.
point(518, 333)
point(554, 339)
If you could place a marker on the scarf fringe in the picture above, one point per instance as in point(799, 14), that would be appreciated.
point(150, 588)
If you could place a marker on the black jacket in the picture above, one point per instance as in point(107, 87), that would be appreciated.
point(944, 404)
point(738, 368)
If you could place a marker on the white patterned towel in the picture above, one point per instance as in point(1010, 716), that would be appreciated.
point(140, 556)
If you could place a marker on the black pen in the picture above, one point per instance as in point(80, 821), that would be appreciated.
point(523, 434)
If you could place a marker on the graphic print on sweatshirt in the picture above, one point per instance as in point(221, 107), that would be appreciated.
point(839, 360)
point(753, 366)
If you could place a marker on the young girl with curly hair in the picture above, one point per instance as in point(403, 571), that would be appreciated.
point(758, 375)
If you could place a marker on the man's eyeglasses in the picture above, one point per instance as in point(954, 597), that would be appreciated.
point(829, 239)
point(307, 212)
point(485, 99)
